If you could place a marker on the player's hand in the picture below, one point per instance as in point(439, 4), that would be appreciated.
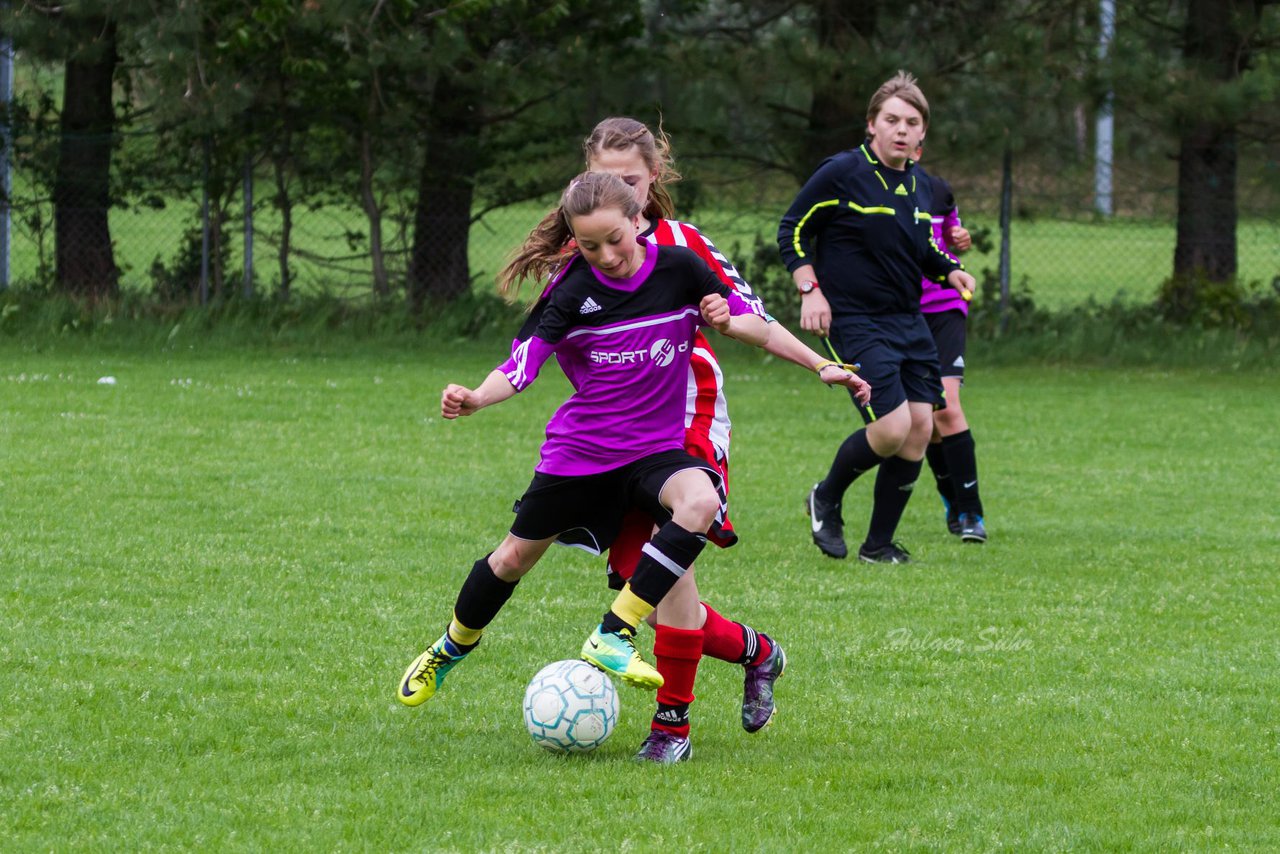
point(457, 400)
point(715, 311)
point(815, 313)
point(962, 282)
point(833, 374)
point(861, 388)
point(958, 238)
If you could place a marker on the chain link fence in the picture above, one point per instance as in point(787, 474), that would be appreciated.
point(187, 240)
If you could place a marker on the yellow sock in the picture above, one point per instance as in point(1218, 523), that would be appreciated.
point(630, 608)
point(463, 636)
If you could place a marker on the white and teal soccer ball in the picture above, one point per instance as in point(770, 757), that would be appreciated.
point(570, 707)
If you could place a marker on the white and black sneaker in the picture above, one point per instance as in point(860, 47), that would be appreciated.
point(972, 529)
point(827, 525)
point(665, 748)
point(891, 553)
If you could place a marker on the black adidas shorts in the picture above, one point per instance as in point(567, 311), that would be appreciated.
point(898, 358)
point(948, 328)
point(586, 511)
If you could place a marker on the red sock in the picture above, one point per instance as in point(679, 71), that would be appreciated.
point(732, 642)
point(678, 652)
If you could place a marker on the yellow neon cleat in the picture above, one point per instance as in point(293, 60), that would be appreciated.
point(615, 653)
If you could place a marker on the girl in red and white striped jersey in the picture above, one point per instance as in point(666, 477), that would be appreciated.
point(629, 149)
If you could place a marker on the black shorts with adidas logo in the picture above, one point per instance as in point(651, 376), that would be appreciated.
point(948, 328)
point(897, 357)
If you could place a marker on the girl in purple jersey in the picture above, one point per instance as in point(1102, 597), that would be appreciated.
point(950, 453)
point(620, 320)
point(642, 158)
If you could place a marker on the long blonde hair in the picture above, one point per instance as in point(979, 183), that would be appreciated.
point(543, 251)
point(619, 133)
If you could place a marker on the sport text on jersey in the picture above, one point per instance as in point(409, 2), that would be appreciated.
point(661, 353)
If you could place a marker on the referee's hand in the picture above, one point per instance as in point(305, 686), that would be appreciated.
point(815, 313)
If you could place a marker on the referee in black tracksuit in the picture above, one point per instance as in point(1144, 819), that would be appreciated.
point(857, 243)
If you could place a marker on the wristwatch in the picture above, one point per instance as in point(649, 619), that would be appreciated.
point(806, 287)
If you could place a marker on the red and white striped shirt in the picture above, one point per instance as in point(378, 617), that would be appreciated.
point(706, 412)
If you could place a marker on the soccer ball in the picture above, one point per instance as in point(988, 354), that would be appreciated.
point(570, 707)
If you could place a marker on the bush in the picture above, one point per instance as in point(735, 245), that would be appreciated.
point(1202, 301)
point(1103, 334)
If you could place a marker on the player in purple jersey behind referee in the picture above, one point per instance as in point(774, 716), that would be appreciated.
point(950, 453)
point(620, 320)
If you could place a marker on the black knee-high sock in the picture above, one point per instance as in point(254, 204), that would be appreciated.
point(941, 473)
point(894, 482)
point(482, 596)
point(852, 459)
point(963, 464)
point(663, 561)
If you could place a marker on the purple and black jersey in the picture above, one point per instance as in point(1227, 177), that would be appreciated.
point(624, 345)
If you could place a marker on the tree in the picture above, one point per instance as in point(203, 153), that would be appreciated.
point(843, 30)
point(84, 38)
point(490, 67)
point(82, 192)
point(1218, 43)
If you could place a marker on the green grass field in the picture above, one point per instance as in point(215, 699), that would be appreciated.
point(216, 570)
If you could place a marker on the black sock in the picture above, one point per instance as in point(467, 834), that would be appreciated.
point(963, 464)
point(894, 482)
point(482, 596)
point(941, 474)
point(611, 622)
point(852, 459)
point(663, 561)
point(673, 718)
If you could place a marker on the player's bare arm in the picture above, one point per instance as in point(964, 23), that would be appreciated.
point(458, 400)
point(747, 328)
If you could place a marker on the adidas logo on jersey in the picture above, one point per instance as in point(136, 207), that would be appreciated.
point(959, 362)
point(589, 306)
point(901, 191)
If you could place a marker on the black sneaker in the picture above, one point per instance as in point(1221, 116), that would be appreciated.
point(664, 748)
point(953, 518)
point(757, 689)
point(892, 553)
point(971, 528)
point(827, 524)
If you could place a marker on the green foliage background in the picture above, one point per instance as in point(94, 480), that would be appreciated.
point(435, 119)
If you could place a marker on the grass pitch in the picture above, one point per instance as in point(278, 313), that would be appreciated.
point(216, 569)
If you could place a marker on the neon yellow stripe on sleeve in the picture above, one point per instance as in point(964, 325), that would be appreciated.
point(795, 237)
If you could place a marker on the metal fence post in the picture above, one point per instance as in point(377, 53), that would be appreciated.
point(6, 145)
point(1006, 214)
point(1104, 144)
point(204, 227)
point(248, 226)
